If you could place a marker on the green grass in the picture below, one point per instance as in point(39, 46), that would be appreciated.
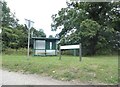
point(97, 69)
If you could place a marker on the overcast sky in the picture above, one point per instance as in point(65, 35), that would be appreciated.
point(39, 11)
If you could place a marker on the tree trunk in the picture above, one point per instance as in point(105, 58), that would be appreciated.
point(93, 44)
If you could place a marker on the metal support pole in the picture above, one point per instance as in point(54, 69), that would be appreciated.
point(80, 52)
point(28, 43)
point(28, 26)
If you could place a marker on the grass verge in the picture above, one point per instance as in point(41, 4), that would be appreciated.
point(100, 69)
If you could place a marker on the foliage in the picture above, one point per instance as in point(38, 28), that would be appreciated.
point(51, 36)
point(0, 12)
point(95, 25)
point(14, 38)
point(38, 33)
point(15, 35)
point(20, 51)
point(8, 19)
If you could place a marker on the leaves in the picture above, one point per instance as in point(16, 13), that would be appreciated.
point(95, 25)
point(15, 35)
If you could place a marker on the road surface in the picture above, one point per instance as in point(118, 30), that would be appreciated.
point(16, 78)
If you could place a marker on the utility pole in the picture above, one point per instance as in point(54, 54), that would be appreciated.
point(29, 25)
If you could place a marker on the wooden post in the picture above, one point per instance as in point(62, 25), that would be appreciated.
point(60, 53)
point(80, 52)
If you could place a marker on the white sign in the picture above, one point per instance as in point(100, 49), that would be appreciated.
point(70, 47)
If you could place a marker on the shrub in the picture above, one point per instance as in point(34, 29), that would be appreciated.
point(20, 51)
point(70, 52)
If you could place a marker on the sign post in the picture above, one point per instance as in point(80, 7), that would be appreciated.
point(80, 53)
point(29, 23)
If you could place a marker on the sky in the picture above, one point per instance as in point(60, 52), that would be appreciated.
point(39, 11)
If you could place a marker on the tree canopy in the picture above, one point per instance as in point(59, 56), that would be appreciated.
point(14, 35)
point(94, 24)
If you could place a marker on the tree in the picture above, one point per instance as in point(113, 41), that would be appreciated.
point(41, 33)
point(92, 37)
point(38, 33)
point(8, 18)
point(9, 22)
point(77, 20)
point(22, 32)
point(51, 36)
point(15, 35)
point(0, 11)
point(14, 38)
point(89, 33)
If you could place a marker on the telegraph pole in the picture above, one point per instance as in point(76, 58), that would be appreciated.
point(29, 25)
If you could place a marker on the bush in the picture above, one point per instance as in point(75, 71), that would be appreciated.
point(85, 51)
point(70, 52)
point(21, 51)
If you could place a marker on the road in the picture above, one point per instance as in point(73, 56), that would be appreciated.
point(16, 78)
